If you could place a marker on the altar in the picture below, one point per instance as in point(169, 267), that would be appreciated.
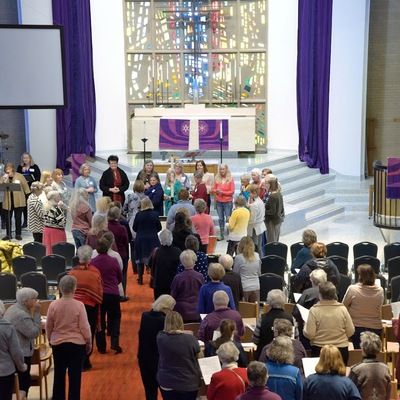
point(235, 126)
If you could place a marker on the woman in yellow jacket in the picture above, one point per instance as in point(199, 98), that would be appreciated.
point(237, 225)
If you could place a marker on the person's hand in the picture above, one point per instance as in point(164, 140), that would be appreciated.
point(146, 185)
point(88, 347)
point(116, 189)
point(24, 368)
point(90, 189)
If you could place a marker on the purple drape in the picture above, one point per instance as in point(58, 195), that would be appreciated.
point(313, 74)
point(76, 122)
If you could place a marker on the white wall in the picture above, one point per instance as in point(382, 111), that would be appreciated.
point(41, 124)
point(282, 131)
point(109, 74)
point(347, 101)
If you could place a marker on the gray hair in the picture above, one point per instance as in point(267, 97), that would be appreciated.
point(318, 276)
point(82, 167)
point(256, 171)
point(53, 196)
point(84, 253)
point(257, 374)
point(198, 174)
point(216, 271)
point(240, 201)
point(188, 258)
point(283, 327)
point(25, 294)
point(146, 204)
point(281, 350)
point(79, 196)
point(114, 214)
point(36, 186)
point(165, 302)
point(327, 291)
point(220, 299)
point(245, 177)
point(67, 284)
point(228, 352)
point(200, 205)
point(276, 298)
point(99, 224)
point(192, 243)
point(165, 237)
point(226, 260)
point(2, 309)
point(370, 344)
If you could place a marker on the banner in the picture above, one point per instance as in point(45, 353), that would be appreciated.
point(174, 134)
point(210, 134)
point(393, 178)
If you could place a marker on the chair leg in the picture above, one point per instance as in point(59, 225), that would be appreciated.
point(45, 387)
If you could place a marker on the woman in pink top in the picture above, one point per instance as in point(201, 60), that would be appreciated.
point(68, 330)
point(223, 190)
point(203, 224)
point(81, 216)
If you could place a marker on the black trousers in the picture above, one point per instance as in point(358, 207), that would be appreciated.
point(38, 237)
point(124, 273)
point(68, 356)
point(149, 379)
point(25, 377)
point(18, 218)
point(111, 316)
point(6, 387)
point(92, 313)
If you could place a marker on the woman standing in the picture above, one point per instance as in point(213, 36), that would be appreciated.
point(178, 370)
point(248, 265)
point(364, 301)
point(155, 193)
point(237, 225)
point(25, 316)
point(81, 214)
point(36, 212)
point(171, 190)
point(46, 180)
point(181, 176)
point(85, 181)
point(330, 381)
point(223, 189)
point(200, 189)
point(274, 211)
point(144, 174)
point(256, 227)
point(203, 223)
point(11, 356)
point(208, 178)
point(98, 229)
point(59, 185)
point(151, 323)
point(146, 225)
point(69, 344)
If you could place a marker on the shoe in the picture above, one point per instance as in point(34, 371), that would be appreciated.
point(18, 237)
point(6, 238)
point(122, 299)
point(140, 281)
point(87, 367)
point(117, 349)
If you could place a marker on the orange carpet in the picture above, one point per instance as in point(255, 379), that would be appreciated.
point(115, 377)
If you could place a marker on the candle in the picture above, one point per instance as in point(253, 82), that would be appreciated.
point(144, 129)
point(167, 72)
point(220, 130)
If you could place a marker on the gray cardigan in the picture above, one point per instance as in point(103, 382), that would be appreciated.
point(28, 328)
point(10, 351)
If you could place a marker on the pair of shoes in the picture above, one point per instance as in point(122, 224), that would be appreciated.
point(117, 349)
point(87, 367)
point(140, 280)
point(102, 351)
point(6, 238)
point(122, 299)
point(18, 237)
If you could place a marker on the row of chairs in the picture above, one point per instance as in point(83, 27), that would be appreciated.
point(38, 251)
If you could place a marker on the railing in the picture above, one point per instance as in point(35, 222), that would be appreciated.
point(386, 211)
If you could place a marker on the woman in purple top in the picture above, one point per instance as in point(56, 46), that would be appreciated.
point(186, 286)
point(111, 275)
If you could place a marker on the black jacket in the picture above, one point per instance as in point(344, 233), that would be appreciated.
point(107, 182)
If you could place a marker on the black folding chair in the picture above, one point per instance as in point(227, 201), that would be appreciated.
point(269, 282)
point(341, 263)
point(36, 250)
point(8, 287)
point(37, 281)
point(390, 251)
point(393, 268)
point(395, 288)
point(273, 265)
point(372, 261)
point(22, 264)
point(294, 249)
point(345, 282)
point(338, 249)
point(276, 249)
point(65, 249)
point(52, 266)
point(365, 249)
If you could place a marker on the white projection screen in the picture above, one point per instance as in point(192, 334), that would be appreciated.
point(31, 66)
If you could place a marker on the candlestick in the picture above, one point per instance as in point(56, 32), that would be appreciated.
point(144, 129)
point(220, 130)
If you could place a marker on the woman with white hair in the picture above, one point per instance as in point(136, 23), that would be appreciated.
point(35, 210)
point(163, 263)
point(146, 225)
point(25, 316)
point(68, 330)
point(231, 381)
point(54, 221)
point(87, 182)
point(81, 214)
point(263, 332)
point(256, 177)
point(186, 286)
point(232, 279)
point(151, 323)
point(11, 356)
point(98, 229)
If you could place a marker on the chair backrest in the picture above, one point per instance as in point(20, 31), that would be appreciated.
point(391, 250)
point(273, 264)
point(37, 281)
point(193, 327)
point(65, 249)
point(344, 283)
point(395, 288)
point(338, 249)
point(248, 310)
point(365, 249)
point(52, 266)
point(44, 306)
point(75, 261)
point(8, 286)
point(22, 264)
point(289, 307)
point(294, 249)
point(341, 263)
point(372, 261)
point(386, 312)
point(276, 249)
point(393, 267)
point(247, 336)
point(36, 250)
point(268, 282)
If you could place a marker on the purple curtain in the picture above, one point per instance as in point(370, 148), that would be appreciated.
point(313, 74)
point(76, 122)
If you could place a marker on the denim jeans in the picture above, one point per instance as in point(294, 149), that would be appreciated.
point(224, 211)
point(79, 238)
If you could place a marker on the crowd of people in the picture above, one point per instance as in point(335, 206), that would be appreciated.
point(187, 289)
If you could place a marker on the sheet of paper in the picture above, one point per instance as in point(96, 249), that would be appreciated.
point(208, 366)
point(309, 364)
point(297, 270)
point(216, 334)
point(303, 312)
point(378, 282)
point(395, 309)
point(296, 296)
point(202, 316)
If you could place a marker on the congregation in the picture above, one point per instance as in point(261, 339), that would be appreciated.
point(199, 297)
